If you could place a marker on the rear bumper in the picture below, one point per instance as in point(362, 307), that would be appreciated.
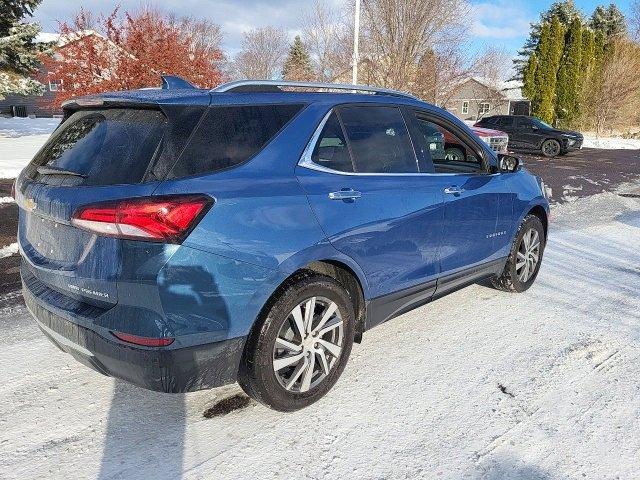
point(160, 369)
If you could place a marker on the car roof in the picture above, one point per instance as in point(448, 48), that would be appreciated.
point(199, 96)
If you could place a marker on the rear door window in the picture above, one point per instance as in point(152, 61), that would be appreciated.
point(379, 139)
point(230, 135)
point(331, 150)
point(100, 147)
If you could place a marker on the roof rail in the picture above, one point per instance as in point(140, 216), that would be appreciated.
point(274, 86)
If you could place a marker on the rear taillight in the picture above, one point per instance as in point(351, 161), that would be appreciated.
point(161, 219)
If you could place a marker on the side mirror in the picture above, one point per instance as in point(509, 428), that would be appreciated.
point(508, 163)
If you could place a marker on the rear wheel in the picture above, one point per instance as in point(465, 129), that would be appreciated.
point(550, 148)
point(301, 345)
point(525, 257)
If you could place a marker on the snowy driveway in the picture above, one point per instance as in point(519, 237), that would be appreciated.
point(479, 384)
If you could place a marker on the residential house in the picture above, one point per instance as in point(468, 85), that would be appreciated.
point(477, 97)
point(24, 105)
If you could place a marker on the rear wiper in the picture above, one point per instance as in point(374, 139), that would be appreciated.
point(58, 171)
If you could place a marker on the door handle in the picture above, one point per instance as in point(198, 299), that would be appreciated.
point(454, 190)
point(345, 195)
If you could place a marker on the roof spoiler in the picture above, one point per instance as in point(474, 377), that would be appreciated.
point(173, 82)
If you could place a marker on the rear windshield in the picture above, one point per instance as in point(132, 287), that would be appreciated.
point(228, 136)
point(101, 147)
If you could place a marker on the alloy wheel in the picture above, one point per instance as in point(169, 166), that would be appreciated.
point(308, 344)
point(551, 148)
point(528, 255)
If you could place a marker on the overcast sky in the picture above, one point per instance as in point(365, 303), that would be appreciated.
point(503, 23)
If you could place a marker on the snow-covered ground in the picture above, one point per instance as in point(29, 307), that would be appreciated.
point(480, 384)
point(611, 143)
point(20, 139)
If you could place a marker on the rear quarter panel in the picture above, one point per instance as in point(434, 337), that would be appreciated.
point(261, 220)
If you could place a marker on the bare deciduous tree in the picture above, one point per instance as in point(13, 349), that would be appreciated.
point(262, 55)
point(614, 100)
point(203, 33)
point(328, 36)
point(634, 21)
point(407, 44)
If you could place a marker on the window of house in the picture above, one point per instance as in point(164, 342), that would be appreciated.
point(55, 85)
point(379, 139)
point(483, 108)
point(465, 107)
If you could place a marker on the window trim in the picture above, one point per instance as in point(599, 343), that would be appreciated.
point(338, 109)
point(465, 107)
point(482, 111)
point(306, 161)
point(55, 83)
point(346, 140)
point(464, 137)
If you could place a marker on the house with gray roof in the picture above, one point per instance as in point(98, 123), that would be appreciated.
point(477, 97)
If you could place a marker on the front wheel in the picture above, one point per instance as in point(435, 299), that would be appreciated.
point(525, 257)
point(551, 148)
point(301, 345)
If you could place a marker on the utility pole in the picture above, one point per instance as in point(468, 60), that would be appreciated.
point(356, 34)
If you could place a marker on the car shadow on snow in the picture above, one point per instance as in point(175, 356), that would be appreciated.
point(501, 467)
point(145, 433)
point(631, 218)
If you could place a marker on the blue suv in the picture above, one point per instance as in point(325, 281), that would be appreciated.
point(182, 239)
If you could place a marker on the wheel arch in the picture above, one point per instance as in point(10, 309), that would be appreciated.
point(540, 212)
point(336, 269)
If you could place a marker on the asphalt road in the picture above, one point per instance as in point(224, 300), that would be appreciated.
point(585, 172)
point(579, 174)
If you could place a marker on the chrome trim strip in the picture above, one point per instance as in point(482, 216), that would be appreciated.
point(230, 86)
point(306, 162)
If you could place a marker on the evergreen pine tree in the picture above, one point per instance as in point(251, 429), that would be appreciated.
point(610, 21)
point(18, 52)
point(529, 85)
point(298, 64)
point(586, 66)
point(564, 10)
point(551, 47)
point(568, 80)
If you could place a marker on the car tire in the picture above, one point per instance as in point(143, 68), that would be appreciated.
point(550, 148)
point(271, 344)
point(520, 270)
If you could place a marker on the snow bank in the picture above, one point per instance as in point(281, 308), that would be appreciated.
point(20, 127)
point(480, 384)
point(9, 250)
point(611, 143)
point(20, 140)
